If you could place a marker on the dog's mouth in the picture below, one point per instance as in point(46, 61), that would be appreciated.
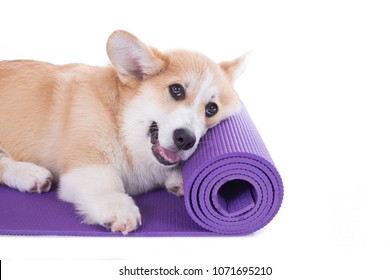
point(163, 155)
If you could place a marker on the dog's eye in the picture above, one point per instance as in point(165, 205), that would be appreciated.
point(177, 91)
point(211, 109)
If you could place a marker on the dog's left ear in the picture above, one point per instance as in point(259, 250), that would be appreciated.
point(130, 56)
point(236, 67)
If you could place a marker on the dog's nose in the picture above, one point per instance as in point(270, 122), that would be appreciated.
point(184, 139)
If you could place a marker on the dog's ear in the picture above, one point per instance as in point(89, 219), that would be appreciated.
point(236, 67)
point(130, 56)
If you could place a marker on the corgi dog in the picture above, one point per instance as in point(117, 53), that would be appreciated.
point(105, 134)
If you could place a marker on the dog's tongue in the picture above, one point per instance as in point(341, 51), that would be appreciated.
point(168, 155)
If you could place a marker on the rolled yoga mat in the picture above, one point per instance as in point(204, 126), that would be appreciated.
point(231, 187)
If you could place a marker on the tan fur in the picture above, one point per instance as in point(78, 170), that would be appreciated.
point(53, 115)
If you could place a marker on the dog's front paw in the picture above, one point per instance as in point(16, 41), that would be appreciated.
point(116, 212)
point(174, 183)
point(176, 189)
point(27, 177)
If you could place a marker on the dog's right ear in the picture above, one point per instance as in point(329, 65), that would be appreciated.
point(130, 56)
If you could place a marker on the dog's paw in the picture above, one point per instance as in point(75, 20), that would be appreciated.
point(116, 212)
point(174, 183)
point(27, 177)
point(177, 190)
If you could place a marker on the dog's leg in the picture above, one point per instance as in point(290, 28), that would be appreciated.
point(99, 196)
point(24, 176)
point(174, 182)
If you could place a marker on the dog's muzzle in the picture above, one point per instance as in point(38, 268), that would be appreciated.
point(183, 139)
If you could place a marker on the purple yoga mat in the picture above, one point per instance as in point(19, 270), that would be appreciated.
point(231, 188)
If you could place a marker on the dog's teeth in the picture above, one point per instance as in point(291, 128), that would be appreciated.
point(153, 131)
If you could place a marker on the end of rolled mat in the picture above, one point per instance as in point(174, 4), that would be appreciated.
point(232, 186)
point(234, 198)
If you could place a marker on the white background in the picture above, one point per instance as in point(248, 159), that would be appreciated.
point(317, 87)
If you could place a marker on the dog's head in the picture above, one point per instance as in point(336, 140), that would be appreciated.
point(171, 98)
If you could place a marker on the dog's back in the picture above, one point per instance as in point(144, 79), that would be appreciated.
point(39, 103)
point(26, 96)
